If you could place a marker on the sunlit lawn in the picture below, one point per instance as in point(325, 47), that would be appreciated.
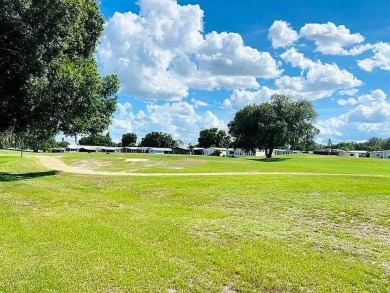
point(147, 163)
point(75, 233)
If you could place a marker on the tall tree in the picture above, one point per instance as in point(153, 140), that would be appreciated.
point(306, 141)
point(213, 137)
point(48, 76)
point(277, 123)
point(7, 140)
point(386, 144)
point(375, 144)
point(97, 140)
point(129, 139)
point(158, 139)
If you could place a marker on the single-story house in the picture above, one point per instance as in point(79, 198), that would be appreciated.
point(181, 150)
point(356, 154)
point(277, 152)
point(239, 152)
point(105, 149)
point(328, 152)
point(222, 151)
point(197, 151)
point(136, 150)
point(72, 148)
point(89, 149)
point(130, 149)
point(380, 154)
point(58, 150)
point(160, 151)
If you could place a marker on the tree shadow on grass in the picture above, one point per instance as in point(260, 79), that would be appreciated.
point(10, 177)
point(270, 160)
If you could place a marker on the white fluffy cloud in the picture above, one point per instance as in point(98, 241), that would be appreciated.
point(381, 58)
point(162, 53)
point(329, 38)
point(317, 79)
point(347, 102)
point(371, 108)
point(330, 127)
point(281, 34)
point(349, 92)
point(242, 98)
point(370, 113)
point(180, 119)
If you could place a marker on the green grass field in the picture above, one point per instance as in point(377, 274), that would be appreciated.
point(146, 163)
point(64, 232)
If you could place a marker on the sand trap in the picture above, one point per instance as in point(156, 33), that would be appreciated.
point(137, 160)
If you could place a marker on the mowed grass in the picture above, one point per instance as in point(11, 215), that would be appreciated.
point(147, 163)
point(75, 233)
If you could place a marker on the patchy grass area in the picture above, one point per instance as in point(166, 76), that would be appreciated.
point(147, 163)
point(76, 233)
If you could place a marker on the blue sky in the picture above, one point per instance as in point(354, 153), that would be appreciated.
point(191, 64)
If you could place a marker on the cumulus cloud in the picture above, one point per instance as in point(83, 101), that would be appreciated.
point(281, 34)
point(329, 127)
point(199, 103)
point(349, 92)
point(381, 58)
point(180, 119)
point(163, 53)
point(329, 38)
point(347, 102)
point(371, 108)
point(317, 79)
point(370, 114)
point(242, 98)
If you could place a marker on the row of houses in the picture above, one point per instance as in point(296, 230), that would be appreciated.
point(385, 154)
point(225, 152)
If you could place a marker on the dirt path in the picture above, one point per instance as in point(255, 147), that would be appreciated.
point(55, 163)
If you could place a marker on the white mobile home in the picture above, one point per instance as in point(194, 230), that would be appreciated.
point(356, 154)
point(131, 150)
point(72, 148)
point(210, 151)
point(159, 151)
point(277, 152)
point(105, 149)
point(239, 152)
point(380, 154)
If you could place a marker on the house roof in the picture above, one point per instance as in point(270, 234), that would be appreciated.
point(217, 148)
point(110, 148)
point(380, 151)
point(161, 149)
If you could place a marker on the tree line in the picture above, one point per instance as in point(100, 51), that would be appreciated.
point(372, 144)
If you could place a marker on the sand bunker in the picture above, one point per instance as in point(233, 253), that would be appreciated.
point(137, 160)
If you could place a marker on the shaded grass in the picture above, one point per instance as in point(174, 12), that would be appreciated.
point(74, 233)
point(6, 177)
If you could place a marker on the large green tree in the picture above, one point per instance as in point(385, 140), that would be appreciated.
point(375, 144)
point(213, 137)
point(386, 144)
point(48, 76)
point(277, 123)
point(129, 139)
point(97, 140)
point(158, 139)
